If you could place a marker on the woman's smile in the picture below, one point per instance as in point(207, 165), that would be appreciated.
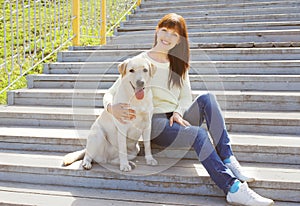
point(165, 42)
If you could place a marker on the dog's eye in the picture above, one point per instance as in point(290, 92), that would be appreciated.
point(145, 70)
point(131, 70)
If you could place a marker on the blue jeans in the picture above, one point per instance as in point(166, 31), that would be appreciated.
point(211, 155)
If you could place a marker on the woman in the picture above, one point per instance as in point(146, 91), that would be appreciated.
point(176, 120)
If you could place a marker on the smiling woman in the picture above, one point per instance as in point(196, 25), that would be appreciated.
point(177, 121)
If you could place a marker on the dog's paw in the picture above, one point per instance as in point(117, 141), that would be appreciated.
point(87, 165)
point(151, 161)
point(125, 167)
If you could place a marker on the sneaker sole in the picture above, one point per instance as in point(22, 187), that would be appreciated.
point(248, 180)
point(237, 204)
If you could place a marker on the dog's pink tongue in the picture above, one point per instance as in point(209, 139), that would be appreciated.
point(139, 93)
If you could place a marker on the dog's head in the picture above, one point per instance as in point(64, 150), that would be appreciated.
point(137, 71)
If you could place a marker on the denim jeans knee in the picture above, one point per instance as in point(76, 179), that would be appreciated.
point(206, 99)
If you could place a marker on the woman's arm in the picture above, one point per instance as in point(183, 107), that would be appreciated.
point(121, 111)
point(184, 102)
point(185, 96)
point(108, 96)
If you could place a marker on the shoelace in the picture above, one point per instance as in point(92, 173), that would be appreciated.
point(237, 166)
point(252, 194)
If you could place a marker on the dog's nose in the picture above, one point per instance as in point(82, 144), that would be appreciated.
point(140, 83)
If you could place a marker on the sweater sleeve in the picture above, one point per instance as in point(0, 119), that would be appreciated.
point(108, 96)
point(185, 96)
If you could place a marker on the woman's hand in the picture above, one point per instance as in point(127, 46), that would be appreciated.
point(122, 112)
point(176, 117)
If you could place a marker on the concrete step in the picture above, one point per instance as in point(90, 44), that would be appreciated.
point(49, 195)
point(232, 37)
point(251, 32)
point(57, 97)
point(218, 27)
point(60, 81)
point(207, 1)
point(272, 122)
point(42, 139)
point(82, 67)
point(48, 116)
point(228, 54)
point(221, 6)
point(126, 46)
point(153, 3)
point(256, 100)
point(246, 82)
point(131, 46)
point(146, 46)
point(248, 147)
point(198, 82)
point(228, 100)
point(221, 19)
point(187, 177)
point(196, 67)
point(204, 1)
point(284, 9)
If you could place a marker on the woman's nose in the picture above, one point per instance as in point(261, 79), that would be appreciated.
point(168, 35)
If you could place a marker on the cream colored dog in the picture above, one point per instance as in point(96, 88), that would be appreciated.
point(111, 141)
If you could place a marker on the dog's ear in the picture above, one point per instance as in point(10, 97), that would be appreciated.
point(122, 67)
point(152, 69)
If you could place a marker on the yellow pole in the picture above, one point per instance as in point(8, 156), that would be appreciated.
point(103, 23)
point(76, 22)
point(139, 2)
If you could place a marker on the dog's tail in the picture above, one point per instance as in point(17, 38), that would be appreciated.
point(73, 157)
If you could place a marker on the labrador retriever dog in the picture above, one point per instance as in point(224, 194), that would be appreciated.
point(111, 141)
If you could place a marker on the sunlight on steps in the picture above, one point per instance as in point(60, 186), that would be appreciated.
point(245, 52)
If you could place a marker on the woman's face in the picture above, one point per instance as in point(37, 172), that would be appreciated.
point(167, 38)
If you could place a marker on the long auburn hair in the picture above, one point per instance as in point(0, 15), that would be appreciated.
point(179, 55)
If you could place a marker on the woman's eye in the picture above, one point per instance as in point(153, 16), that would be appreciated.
point(131, 70)
point(145, 70)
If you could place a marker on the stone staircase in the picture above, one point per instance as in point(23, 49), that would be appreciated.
point(247, 52)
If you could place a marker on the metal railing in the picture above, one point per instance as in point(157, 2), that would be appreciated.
point(32, 31)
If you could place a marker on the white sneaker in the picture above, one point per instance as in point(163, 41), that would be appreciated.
point(247, 197)
point(237, 170)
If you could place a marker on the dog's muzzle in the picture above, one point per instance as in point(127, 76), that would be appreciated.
point(139, 89)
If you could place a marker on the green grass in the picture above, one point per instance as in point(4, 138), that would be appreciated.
point(17, 38)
